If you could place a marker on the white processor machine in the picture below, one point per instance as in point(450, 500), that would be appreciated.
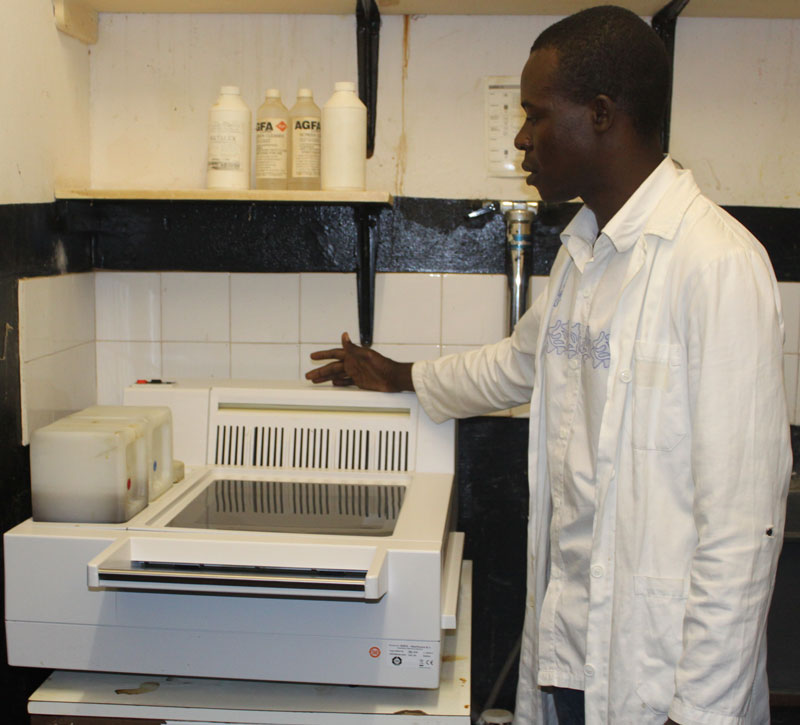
point(310, 539)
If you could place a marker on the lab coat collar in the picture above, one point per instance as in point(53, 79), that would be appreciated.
point(641, 214)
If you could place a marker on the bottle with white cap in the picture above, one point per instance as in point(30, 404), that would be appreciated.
point(229, 141)
point(344, 140)
point(304, 144)
point(272, 136)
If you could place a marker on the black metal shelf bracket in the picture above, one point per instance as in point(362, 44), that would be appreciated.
point(366, 217)
point(664, 22)
point(368, 31)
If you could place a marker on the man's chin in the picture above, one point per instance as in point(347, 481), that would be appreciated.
point(551, 196)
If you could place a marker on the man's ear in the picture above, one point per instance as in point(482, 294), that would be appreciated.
point(604, 112)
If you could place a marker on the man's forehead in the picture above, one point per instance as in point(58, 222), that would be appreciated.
point(538, 75)
point(541, 61)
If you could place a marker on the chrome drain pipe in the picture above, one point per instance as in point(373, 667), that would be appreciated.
point(518, 216)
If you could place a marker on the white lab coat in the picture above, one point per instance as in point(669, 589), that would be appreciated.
point(692, 472)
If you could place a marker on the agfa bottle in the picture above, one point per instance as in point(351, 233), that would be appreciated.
point(304, 145)
point(272, 143)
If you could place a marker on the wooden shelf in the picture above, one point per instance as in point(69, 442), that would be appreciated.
point(79, 17)
point(310, 197)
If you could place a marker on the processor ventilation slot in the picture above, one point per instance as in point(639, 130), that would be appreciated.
point(230, 445)
point(310, 448)
point(392, 450)
point(267, 448)
point(353, 450)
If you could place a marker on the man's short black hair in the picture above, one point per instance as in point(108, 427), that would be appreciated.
point(612, 51)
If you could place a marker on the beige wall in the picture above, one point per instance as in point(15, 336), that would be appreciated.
point(45, 110)
point(736, 107)
point(737, 96)
point(152, 78)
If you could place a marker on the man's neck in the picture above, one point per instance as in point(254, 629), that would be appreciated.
point(618, 183)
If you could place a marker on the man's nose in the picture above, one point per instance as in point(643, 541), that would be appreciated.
point(522, 140)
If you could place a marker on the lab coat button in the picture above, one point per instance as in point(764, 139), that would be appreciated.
point(574, 363)
point(588, 670)
point(586, 292)
point(598, 571)
point(625, 376)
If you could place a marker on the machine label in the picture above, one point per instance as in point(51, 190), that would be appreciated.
point(409, 654)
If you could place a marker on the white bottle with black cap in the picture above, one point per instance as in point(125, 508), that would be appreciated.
point(344, 140)
point(229, 141)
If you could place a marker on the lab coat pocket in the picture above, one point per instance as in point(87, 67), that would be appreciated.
point(659, 419)
point(659, 608)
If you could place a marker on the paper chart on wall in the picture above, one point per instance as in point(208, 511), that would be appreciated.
point(504, 117)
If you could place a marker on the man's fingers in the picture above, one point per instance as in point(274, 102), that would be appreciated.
point(326, 372)
point(333, 371)
point(347, 344)
point(335, 353)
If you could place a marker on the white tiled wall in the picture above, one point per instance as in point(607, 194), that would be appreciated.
point(185, 324)
point(57, 347)
point(84, 337)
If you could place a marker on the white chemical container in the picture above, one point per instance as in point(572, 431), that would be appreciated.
point(158, 422)
point(344, 140)
point(229, 141)
point(304, 145)
point(89, 470)
point(272, 142)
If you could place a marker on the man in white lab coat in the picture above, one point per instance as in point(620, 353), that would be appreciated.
point(659, 441)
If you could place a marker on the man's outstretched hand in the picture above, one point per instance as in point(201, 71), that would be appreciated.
point(361, 366)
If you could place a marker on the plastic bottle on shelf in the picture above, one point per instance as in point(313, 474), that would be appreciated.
point(229, 141)
point(344, 140)
point(272, 137)
point(304, 145)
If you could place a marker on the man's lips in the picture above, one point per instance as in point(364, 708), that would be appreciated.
point(532, 172)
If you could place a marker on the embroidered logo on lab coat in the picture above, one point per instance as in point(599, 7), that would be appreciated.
point(577, 341)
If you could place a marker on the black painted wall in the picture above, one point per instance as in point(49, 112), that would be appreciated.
point(30, 245)
point(417, 235)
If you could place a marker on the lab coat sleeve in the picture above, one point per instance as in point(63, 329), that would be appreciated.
point(494, 377)
point(741, 464)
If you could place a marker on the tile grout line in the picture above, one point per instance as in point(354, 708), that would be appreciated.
point(162, 375)
point(793, 417)
point(96, 346)
point(441, 314)
point(299, 324)
point(230, 324)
